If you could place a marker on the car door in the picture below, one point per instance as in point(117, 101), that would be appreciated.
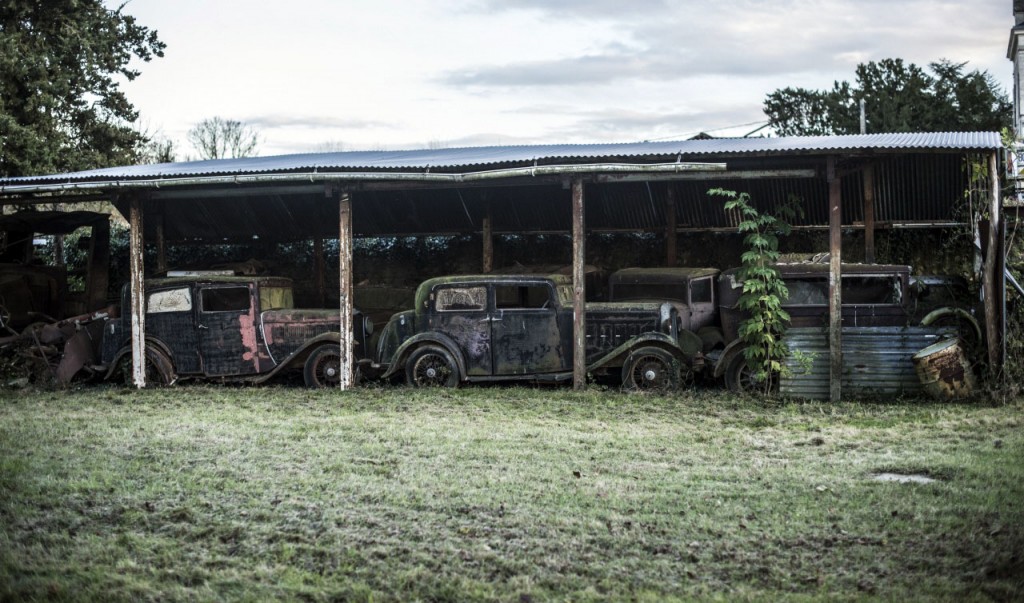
point(525, 330)
point(702, 303)
point(227, 330)
point(459, 311)
point(170, 318)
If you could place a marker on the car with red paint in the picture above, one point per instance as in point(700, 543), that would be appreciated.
point(230, 328)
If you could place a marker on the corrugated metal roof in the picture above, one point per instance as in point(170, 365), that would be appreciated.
point(476, 158)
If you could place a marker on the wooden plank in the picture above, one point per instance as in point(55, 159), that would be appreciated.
point(345, 295)
point(488, 236)
point(99, 265)
point(992, 277)
point(319, 272)
point(835, 292)
point(869, 214)
point(161, 245)
point(579, 255)
point(136, 267)
point(671, 237)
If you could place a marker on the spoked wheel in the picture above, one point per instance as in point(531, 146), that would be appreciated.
point(159, 371)
point(651, 369)
point(323, 367)
point(431, 366)
point(740, 377)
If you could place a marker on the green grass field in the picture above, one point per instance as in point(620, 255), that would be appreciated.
point(498, 494)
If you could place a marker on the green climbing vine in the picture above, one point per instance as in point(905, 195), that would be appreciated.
point(763, 288)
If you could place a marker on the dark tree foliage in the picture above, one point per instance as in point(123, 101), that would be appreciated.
point(899, 97)
point(61, 108)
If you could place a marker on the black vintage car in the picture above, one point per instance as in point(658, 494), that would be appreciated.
point(520, 327)
point(230, 328)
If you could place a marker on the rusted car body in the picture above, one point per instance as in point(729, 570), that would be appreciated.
point(520, 327)
point(231, 328)
point(691, 290)
point(873, 295)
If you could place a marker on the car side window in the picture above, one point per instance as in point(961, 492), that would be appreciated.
point(700, 291)
point(225, 299)
point(460, 299)
point(522, 296)
point(172, 300)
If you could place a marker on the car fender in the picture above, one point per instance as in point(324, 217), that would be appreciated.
point(398, 360)
point(960, 313)
point(615, 357)
point(735, 347)
point(127, 349)
point(299, 355)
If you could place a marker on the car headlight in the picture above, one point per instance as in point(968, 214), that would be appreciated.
point(368, 325)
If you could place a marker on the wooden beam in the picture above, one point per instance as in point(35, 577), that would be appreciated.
point(671, 237)
point(346, 364)
point(488, 236)
point(319, 272)
point(136, 266)
point(869, 214)
point(99, 265)
point(835, 290)
point(579, 260)
point(161, 245)
point(992, 276)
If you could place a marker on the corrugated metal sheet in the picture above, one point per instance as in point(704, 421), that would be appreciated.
point(876, 361)
point(478, 158)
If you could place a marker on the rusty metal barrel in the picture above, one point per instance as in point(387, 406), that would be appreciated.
point(944, 370)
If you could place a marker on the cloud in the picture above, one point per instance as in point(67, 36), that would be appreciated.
point(315, 122)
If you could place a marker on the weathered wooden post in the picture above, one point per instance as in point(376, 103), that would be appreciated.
point(835, 289)
point(670, 226)
point(161, 245)
point(579, 255)
point(488, 236)
point(319, 272)
point(869, 214)
point(345, 364)
point(99, 264)
point(136, 269)
point(993, 275)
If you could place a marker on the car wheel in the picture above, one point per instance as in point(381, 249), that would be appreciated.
point(740, 377)
point(159, 370)
point(323, 367)
point(431, 366)
point(651, 369)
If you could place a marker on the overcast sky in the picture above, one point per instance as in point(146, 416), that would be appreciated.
point(316, 75)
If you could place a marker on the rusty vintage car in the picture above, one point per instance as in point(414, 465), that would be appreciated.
point(231, 328)
point(520, 327)
point(873, 295)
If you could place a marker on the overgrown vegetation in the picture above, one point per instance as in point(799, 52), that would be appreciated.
point(763, 287)
point(503, 494)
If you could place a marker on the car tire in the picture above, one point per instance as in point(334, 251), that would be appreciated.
point(159, 370)
point(323, 367)
point(742, 379)
point(651, 369)
point(431, 366)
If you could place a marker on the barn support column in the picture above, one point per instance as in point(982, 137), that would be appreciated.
point(345, 364)
point(993, 276)
point(670, 226)
point(319, 272)
point(835, 290)
point(869, 214)
point(99, 265)
point(488, 236)
point(161, 245)
point(138, 300)
point(579, 260)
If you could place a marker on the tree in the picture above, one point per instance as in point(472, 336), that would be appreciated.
point(899, 97)
point(60, 106)
point(219, 138)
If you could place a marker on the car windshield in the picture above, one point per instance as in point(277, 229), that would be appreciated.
point(648, 291)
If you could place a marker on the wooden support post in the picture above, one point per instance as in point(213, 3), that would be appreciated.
point(319, 272)
point(869, 214)
point(835, 290)
point(992, 275)
point(99, 265)
point(488, 236)
point(579, 260)
point(161, 246)
point(670, 226)
point(138, 291)
point(346, 365)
